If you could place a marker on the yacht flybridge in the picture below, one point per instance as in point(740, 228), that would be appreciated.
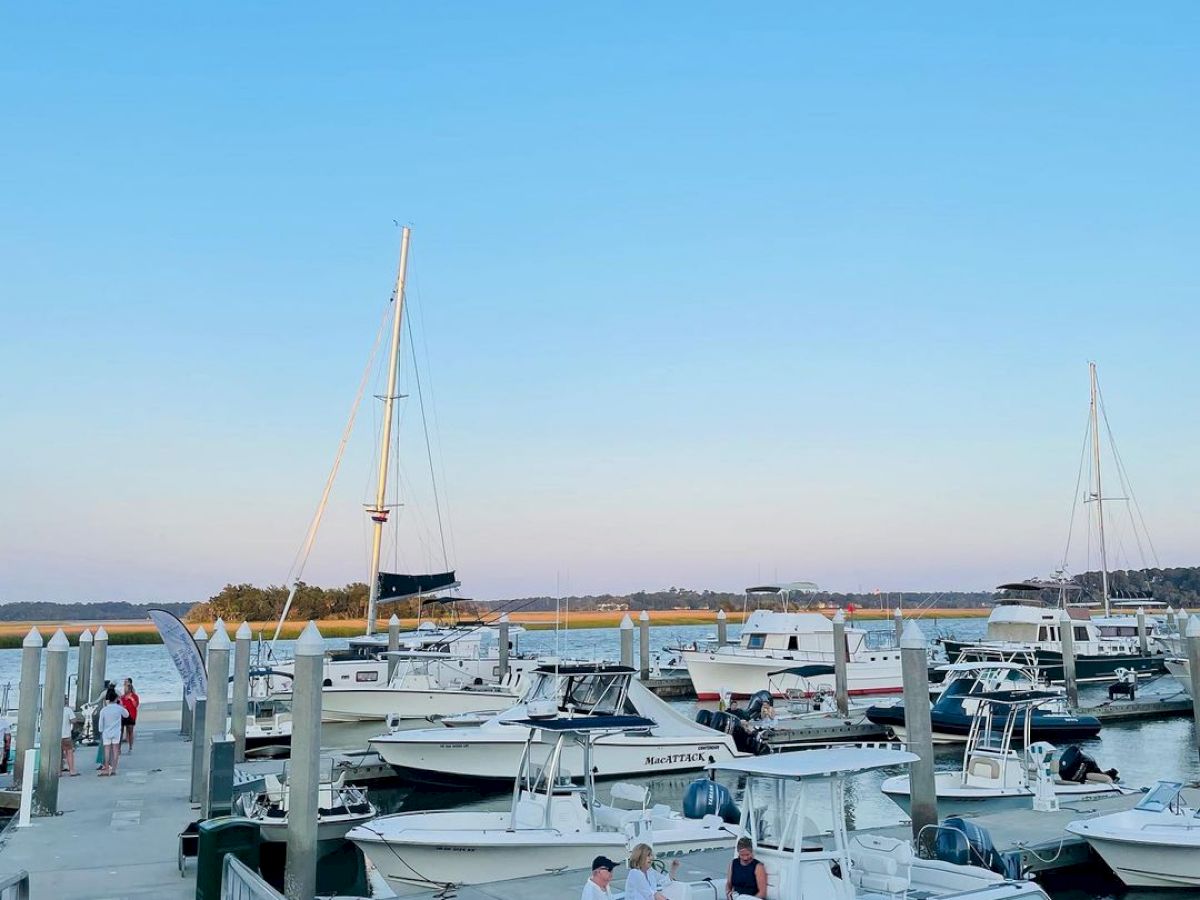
point(773, 641)
point(492, 751)
point(551, 825)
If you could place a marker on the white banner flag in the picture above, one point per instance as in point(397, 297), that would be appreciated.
point(184, 653)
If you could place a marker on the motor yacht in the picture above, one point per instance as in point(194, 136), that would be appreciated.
point(1155, 844)
point(552, 824)
point(492, 751)
point(1003, 768)
point(773, 641)
point(794, 807)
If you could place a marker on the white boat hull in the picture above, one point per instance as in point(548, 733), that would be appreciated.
point(275, 830)
point(1150, 865)
point(741, 673)
point(376, 704)
point(434, 851)
point(453, 755)
point(955, 799)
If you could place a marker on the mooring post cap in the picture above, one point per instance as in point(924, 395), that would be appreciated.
point(310, 642)
point(644, 617)
point(244, 633)
point(220, 637)
point(200, 634)
point(912, 638)
point(33, 639)
point(626, 622)
point(101, 634)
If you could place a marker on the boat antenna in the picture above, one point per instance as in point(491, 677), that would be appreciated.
point(1098, 495)
point(379, 512)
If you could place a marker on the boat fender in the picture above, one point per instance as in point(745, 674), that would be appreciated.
point(964, 843)
point(705, 797)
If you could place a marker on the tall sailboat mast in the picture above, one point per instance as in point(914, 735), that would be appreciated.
point(379, 512)
point(1099, 495)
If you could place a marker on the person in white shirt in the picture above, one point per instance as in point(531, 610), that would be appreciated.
point(596, 887)
point(641, 883)
point(111, 717)
point(68, 740)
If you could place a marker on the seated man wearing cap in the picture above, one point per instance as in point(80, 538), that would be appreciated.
point(596, 887)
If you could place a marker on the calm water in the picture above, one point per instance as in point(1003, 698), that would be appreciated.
point(1144, 752)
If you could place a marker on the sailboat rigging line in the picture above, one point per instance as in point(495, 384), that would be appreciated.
point(301, 558)
point(1127, 487)
point(1075, 493)
point(437, 505)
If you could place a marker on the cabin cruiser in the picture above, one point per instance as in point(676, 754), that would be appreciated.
point(340, 807)
point(1155, 844)
point(808, 852)
point(996, 774)
point(551, 825)
point(420, 689)
point(492, 751)
point(1022, 625)
point(772, 641)
point(953, 714)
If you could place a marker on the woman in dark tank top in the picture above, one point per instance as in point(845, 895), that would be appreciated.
point(746, 874)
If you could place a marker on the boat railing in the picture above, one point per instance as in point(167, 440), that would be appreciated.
point(240, 882)
point(15, 886)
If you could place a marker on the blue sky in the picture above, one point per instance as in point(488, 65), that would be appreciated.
point(703, 295)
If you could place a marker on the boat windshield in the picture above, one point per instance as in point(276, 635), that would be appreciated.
point(784, 814)
point(1164, 795)
point(601, 694)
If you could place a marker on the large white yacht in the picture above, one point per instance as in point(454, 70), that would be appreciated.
point(492, 751)
point(773, 641)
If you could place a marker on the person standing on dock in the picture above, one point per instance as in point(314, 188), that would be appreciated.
point(68, 737)
point(596, 887)
point(110, 731)
point(131, 701)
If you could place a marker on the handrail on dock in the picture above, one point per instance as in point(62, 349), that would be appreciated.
point(240, 882)
point(15, 886)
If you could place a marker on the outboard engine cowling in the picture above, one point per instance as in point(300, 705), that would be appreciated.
point(1075, 765)
point(704, 717)
point(963, 843)
point(705, 797)
point(743, 737)
point(754, 705)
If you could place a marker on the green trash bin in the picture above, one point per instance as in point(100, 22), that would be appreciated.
point(219, 836)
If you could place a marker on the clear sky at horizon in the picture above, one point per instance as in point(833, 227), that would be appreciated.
point(702, 295)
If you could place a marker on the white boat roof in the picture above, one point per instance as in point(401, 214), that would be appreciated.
point(982, 664)
point(816, 763)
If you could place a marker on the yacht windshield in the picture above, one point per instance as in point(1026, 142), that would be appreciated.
point(598, 693)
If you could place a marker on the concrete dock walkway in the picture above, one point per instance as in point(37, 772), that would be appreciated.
point(114, 837)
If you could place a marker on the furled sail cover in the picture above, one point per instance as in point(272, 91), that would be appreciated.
point(393, 586)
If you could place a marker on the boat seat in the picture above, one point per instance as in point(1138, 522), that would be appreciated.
point(813, 874)
point(880, 864)
point(984, 768)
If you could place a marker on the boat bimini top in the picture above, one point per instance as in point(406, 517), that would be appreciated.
point(828, 763)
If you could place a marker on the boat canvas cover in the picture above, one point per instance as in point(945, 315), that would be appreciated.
point(586, 723)
point(394, 586)
point(816, 763)
point(810, 671)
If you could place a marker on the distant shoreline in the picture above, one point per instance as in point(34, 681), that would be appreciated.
point(127, 632)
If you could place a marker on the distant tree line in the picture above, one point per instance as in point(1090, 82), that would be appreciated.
point(1179, 586)
point(45, 611)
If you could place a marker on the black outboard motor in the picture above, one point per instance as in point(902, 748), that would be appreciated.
point(705, 797)
point(754, 705)
point(1075, 765)
point(704, 717)
point(744, 739)
point(963, 843)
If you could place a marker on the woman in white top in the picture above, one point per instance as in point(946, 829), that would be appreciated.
point(110, 731)
point(640, 883)
point(68, 741)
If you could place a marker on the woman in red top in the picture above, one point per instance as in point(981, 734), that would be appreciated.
point(131, 701)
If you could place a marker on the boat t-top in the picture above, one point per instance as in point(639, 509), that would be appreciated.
point(492, 751)
point(1003, 768)
point(552, 824)
point(794, 807)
